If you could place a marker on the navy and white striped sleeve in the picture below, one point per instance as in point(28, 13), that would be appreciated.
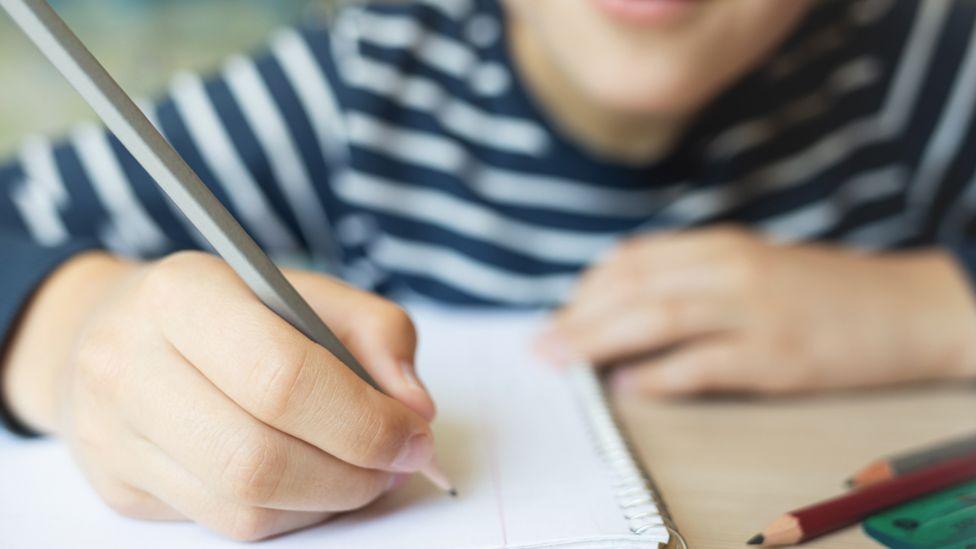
point(940, 198)
point(246, 132)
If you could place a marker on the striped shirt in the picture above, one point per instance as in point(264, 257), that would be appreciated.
point(399, 148)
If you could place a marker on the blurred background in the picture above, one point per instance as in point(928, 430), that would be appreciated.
point(142, 42)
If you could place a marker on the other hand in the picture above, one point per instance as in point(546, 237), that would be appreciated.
point(723, 309)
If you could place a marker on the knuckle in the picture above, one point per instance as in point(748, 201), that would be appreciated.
point(250, 524)
point(280, 370)
point(254, 470)
point(727, 241)
point(368, 489)
point(185, 260)
point(172, 267)
point(747, 268)
point(386, 317)
point(382, 437)
point(165, 276)
point(97, 367)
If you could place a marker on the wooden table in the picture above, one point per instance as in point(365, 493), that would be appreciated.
point(728, 467)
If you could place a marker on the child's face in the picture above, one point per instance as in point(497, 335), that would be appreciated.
point(655, 57)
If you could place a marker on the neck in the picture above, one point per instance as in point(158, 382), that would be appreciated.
point(615, 135)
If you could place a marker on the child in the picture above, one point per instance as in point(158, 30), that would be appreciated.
point(684, 154)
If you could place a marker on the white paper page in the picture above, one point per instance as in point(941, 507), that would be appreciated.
point(509, 433)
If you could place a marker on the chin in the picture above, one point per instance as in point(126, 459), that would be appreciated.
point(660, 94)
point(654, 57)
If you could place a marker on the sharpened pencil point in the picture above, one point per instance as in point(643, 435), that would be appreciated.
point(758, 539)
point(436, 475)
point(849, 483)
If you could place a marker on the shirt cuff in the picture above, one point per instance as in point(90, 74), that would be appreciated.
point(23, 266)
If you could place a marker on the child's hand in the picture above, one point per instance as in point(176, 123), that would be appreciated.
point(724, 310)
point(186, 397)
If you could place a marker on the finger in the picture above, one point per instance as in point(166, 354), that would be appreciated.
point(660, 266)
point(378, 332)
point(94, 448)
point(158, 474)
point(602, 281)
point(683, 246)
point(653, 251)
point(125, 499)
point(235, 455)
point(712, 365)
point(617, 290)
point(639, 328)
point(281, 377)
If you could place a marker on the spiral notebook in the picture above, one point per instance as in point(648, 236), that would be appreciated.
point(536, 455)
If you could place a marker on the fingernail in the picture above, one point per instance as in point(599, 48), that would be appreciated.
point(415, 454)
point(409, 377)
point(397, 481)
point(624, 381)
point(420, 401)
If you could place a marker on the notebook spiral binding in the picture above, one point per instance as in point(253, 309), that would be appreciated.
point(634, 489)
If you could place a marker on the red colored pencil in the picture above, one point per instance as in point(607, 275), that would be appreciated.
point(813, 521)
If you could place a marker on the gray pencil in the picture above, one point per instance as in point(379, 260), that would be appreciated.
point(121, 115)
point(897, 465)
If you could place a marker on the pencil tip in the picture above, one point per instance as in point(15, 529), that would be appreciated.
point(849, 483)
point(758, 539)
point(436, 475)
point(452, 492)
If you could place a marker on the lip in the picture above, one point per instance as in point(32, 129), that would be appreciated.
point(647, 12)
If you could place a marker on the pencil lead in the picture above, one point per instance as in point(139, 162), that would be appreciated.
point(758, 539)
point(849, 483)
point(452, 492)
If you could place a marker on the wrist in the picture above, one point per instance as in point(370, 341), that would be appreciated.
point(38, 352)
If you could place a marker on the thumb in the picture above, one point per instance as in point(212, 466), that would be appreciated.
point(378, 332)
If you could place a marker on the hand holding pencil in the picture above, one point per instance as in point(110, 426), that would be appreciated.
point(191, 400)
point(211, 389)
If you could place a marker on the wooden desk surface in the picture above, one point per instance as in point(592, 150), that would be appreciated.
point(728, 467)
